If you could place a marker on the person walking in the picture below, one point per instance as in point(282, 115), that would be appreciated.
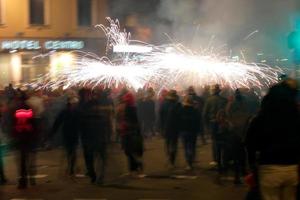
point(189, 126)
point(68, 120)
point(94, 135)
point(129, 129)
point(25, 138)
point(238, 112)
point(212, 106)
point(272, 143)
point(169, 124)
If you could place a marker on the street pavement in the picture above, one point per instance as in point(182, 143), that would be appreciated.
point(160, 183)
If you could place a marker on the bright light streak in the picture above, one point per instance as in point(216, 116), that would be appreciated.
point(167, 66)
point(132, 49)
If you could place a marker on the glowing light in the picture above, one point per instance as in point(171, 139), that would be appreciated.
point(167, 66)
point(132, 49)
point(16, 68)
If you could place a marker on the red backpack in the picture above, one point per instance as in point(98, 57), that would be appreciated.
point(23, 120)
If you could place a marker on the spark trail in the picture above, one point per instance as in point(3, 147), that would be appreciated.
point(166, 66)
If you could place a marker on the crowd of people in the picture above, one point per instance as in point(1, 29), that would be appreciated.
point(247, 134)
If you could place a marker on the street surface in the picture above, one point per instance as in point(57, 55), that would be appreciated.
point(160, 183)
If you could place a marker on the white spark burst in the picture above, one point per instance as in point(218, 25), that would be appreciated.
point(166, 66)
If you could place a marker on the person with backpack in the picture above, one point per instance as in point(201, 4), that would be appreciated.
point(25, 140)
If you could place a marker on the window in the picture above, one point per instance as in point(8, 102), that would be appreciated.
point(1, 12)
point(37, 10)
point(84, 12)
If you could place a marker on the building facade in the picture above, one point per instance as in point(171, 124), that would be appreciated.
point(41, 36)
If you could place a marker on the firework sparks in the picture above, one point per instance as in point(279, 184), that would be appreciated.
point(165, 66)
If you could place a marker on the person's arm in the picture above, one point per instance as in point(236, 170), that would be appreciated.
point(57, 123)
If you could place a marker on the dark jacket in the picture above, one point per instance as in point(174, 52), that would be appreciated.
point(188, 118)
point(274, 133)
point(212, 106)
point(92, 124)
point(169, 117)
point(68, 119)
point(149, 110)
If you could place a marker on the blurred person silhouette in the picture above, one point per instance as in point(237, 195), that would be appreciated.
point(189, 125)
point(36, 102)
point(68, 120)
point(169, 125)
point(129, 130)
point(212, 106)
point(272, 143)
point(94, 135)
point(238, 112)
point(223, 137)
point(25, 139)
point(198, 102)
point(149, 113)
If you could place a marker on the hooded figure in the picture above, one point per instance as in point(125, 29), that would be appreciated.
point(129, 130)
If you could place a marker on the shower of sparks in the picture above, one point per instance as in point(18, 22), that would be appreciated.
point(167, 66)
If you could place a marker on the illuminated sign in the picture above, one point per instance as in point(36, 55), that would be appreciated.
point(63, 44)
point(35, 44)
point(21, 44)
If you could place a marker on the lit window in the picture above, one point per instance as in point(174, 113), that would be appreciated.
point(84, 12)
point(37, 10)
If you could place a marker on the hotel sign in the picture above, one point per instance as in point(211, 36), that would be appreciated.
point(36, 44)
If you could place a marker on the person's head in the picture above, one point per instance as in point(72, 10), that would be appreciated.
point(191, 90)
point(281, 97)
point(150, 93)
point(72, 102)
point(216, 89)
point(128, 99)
point(188, 100)
point(172, 95)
